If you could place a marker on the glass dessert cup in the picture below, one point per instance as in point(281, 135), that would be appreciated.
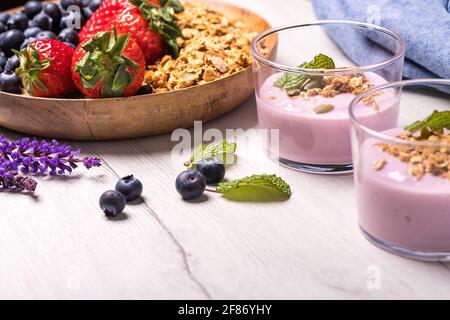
point(402, 177)
point(309, 107)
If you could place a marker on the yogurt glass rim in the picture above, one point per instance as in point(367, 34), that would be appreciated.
point(328, 72)
point(387, 138)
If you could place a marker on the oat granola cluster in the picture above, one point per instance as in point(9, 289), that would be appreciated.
point(347, 83)
point(331, 86)
point(212, 47)
point(422, 160)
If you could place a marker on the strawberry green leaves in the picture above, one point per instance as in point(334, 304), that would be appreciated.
point(30, 68)
point(104, 62)
point(289, 80)
point(162, 20)
point(256, 188)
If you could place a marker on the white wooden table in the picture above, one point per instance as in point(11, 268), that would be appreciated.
point(57, 243)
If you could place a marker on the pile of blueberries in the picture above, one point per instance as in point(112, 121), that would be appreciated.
point(38, 21)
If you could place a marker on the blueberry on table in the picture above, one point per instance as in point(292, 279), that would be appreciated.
point(32, 8)
point(67, 3)
point(11, 39)
point(17, 21)
point(212, 169)
point(42, 20)
point(54, 12)
point(32, 32)
point(130, 187)
point(112, 203)
point(11, 83)
point(95, 4)
point(12, 64)
point(46, 35)
point(69, 35)
point(4, 16)
point(190, 184)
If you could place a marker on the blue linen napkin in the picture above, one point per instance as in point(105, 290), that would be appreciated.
point(424, 25)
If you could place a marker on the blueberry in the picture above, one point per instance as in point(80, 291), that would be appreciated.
point(72, 20)
point(12, 64)
point(87, 13)
point(46, 35)
point(11, 39)
point(11, 83)
point(54, 12)
point(67, 3)
point(18, 21)
point(3, 27)
point(42, 20)
point(32, 32)
point(4, 16)
point(27, 42)
point(95, 4)
point(3, 59)
point(212, 169)
point(69, 35)
point(130, 187)
point(190, 184)
point(147, 89)
point(112, 203)
point(32, 8)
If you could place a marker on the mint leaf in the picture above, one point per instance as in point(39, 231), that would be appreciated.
point(320, 61)
point(289, 80)
point(222, 150)
point(256, 188)
point(436, 122)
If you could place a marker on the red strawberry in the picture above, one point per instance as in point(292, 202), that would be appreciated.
point(45, 68)
point(151, 42)
point(102, 18)
point(152, 24)
point(108, 65)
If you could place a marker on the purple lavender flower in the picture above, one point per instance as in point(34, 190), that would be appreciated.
point(30, 156)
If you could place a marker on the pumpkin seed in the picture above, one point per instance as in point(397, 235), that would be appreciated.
point(293, 92)
point(314, 84)
point(323, 108)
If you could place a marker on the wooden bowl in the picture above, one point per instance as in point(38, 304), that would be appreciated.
point(131, 117)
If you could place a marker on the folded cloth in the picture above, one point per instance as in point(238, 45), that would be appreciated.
point(424, 25)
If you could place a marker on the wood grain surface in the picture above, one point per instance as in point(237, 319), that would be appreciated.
point(57, 244)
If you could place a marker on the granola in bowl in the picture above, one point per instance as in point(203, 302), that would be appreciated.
point(213, 46)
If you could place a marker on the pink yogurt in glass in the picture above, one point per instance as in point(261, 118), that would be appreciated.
point(398, 209)
point(307, 137)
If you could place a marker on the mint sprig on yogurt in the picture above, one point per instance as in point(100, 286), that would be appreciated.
point(436, 122)
point(291, 81)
